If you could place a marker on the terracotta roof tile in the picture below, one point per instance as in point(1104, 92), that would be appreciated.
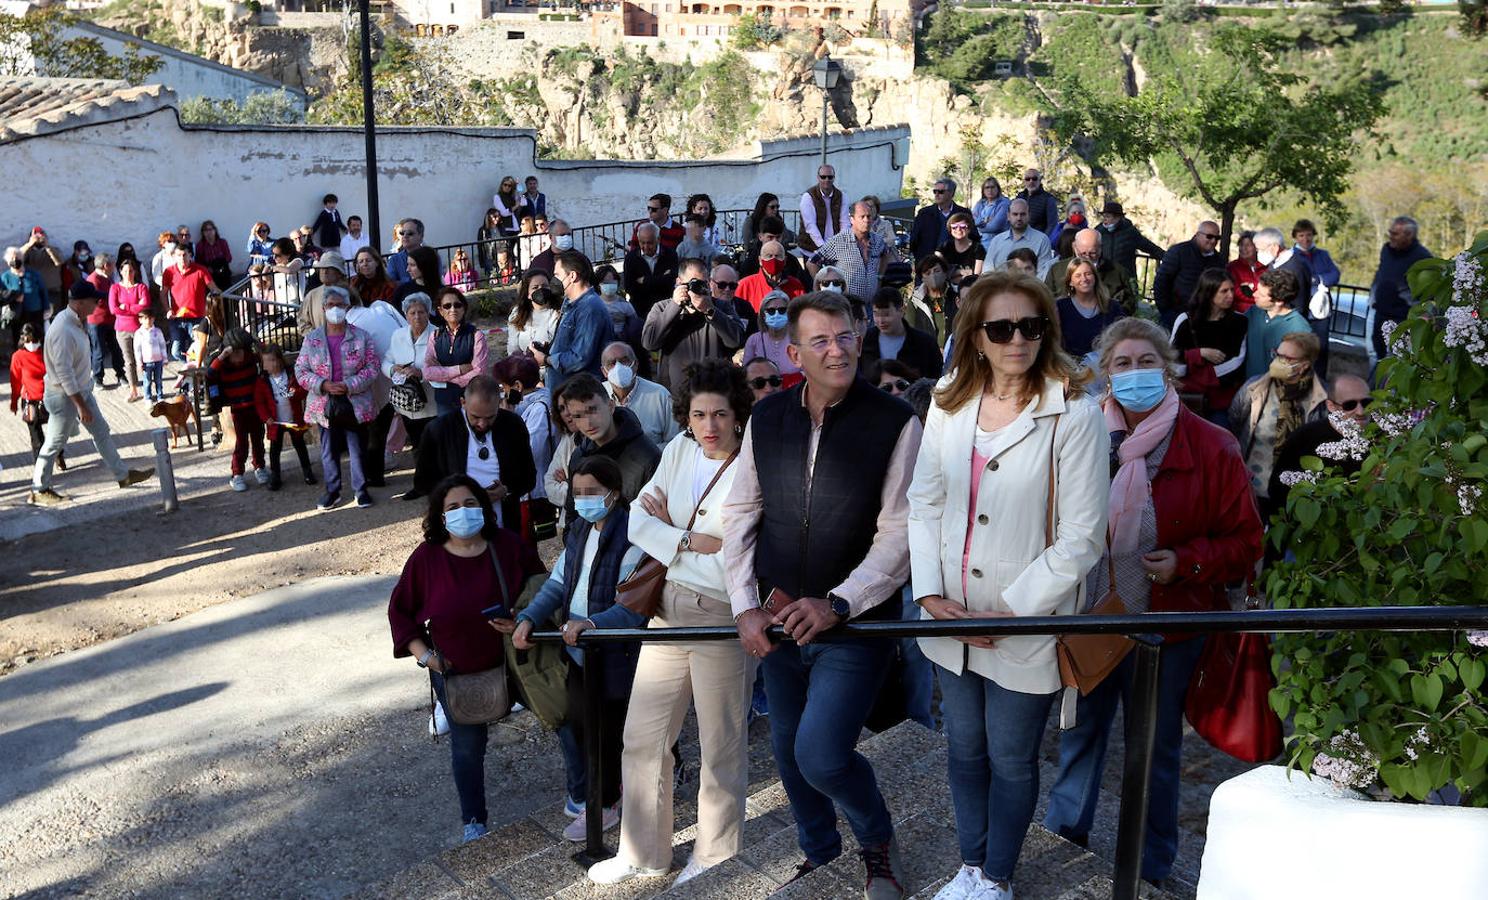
point(35, 106)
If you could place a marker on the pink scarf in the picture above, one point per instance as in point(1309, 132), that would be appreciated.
point(1130, 488)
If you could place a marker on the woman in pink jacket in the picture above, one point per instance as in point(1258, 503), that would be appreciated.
point(338, 367)
point(126, 300)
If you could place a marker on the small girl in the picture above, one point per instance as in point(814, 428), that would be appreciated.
point(27, 385)
point(461, 274)
point(281, 404)
point(149, 352)
point(234, 373)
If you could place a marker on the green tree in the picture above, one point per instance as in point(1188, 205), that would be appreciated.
point(1232, 125)
point(34, 43)
point(1474, 15)
point(267, 108)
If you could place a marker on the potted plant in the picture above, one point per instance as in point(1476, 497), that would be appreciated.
point(1385, 789)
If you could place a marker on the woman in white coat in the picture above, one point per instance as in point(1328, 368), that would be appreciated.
point(695, 475)
point(1009, 421)
point(404, 362)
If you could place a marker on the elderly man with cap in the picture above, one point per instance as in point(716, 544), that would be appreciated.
point(69, 398)
point(331, 269)
point(1120, 239)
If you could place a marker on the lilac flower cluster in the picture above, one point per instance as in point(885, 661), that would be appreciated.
point(1292, 479)
point(1418, 743)
point(1478, 638)
point(1466, 329)
point(1467, 497)
point(1351, 443)
point(1400, 346)
point(1349, 763)
point(1467, 280)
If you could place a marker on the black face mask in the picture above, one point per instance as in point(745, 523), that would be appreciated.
point(513, 396)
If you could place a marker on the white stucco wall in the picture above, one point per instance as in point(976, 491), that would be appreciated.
point(238, 174)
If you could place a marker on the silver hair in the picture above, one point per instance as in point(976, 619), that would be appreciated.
point(949, 183)
point(13, 253)
point(648, 226)
point(418, 298)
point(1407, 222)
point(630, 354)
point(1271, 237)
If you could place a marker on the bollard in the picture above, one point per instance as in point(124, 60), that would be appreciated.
point(164, 472)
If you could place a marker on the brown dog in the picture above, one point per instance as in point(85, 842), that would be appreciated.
point(177, 412)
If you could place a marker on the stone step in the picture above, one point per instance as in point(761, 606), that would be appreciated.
point(529, 859)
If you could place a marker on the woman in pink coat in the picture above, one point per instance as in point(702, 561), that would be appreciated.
point(339, 362)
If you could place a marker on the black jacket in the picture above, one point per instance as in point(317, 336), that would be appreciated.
point(631, 450)
point(327, 229)
point(928, 232)
point(645, 287)
point(1305, 442)
point(446, 445)
point(919, 352)
point(1178, 274)
point(1120, 245)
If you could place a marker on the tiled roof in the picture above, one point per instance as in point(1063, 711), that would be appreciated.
point(35, 106)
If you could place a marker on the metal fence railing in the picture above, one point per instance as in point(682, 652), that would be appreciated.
point(1137, 771)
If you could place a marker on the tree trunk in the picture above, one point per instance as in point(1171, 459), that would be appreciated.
point(1226, 226)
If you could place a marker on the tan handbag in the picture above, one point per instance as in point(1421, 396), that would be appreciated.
point(478, 698)
point(1085, 659)
point(641, 592)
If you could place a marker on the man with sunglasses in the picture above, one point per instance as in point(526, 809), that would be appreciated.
point(697, 323)
point(823, 540)
point(411, 237)
point(1348, 409)
point(482, 440)
point(1043, 207)
point(929, 229)
point(669, 232)
point(824, 211)
point(1179, 271)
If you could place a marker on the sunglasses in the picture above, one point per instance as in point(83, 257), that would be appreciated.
point(759, 383)
point(898, 384)
point(725, 285)
point(1351, 405)
point(938, 191)
point(1001, 331)
point(1208, 237)
point(839, 284)
point(826, 177)
point(451, 306)
point(1032, 180)
point(653, 209)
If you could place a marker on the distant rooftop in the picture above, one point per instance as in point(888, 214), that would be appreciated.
point(35, 106)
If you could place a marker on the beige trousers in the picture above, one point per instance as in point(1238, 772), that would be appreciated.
point(719, 677)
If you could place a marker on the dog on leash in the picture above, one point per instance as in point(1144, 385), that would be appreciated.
point(177, 412)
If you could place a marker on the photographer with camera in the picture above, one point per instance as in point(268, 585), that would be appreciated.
point(698, 323)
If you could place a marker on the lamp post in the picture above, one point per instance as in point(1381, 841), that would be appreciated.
point(369, 126)
point(826, 71)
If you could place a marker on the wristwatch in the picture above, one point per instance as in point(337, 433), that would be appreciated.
point(839, 606)
point(423, 660)
point(686, 541)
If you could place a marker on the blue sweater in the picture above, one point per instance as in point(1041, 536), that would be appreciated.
point(1392, 296)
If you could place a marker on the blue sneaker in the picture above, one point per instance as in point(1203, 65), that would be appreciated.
point(572, 808)
point(473, 831)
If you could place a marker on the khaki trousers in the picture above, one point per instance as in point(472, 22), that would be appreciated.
point(719, 677)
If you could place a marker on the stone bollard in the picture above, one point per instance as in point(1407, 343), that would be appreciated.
point(165, 473)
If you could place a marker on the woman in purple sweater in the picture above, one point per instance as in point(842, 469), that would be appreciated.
point(436, 613)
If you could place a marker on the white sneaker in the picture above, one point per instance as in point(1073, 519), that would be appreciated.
point(262, 475)
point(690, 871)
point(616, 870)
point(987, 889)
point(576, 829)
point(965, 885)
point(239, 484)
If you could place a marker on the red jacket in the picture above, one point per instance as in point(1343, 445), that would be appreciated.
point(268, 410)
point(1206, 514)
point(1245, 277)
point(753, 288)
point(27, 373)
point(187, 290)
point(101, 315)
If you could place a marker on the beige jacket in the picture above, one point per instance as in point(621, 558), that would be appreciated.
point(674, 476)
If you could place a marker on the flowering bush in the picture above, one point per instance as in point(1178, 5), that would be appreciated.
point(1399, 713)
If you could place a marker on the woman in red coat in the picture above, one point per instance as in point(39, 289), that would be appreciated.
point(27, 384)
point(1245, 271)
point(1183, 524)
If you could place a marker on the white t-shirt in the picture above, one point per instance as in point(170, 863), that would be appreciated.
point(486, 472)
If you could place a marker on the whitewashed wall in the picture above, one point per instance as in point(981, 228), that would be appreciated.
point(128, 180)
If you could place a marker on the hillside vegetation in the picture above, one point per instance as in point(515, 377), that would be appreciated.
point(1428, 157)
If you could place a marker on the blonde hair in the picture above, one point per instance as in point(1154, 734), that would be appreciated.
point(970, 370)
point(1132, 328)
point(1102, 296)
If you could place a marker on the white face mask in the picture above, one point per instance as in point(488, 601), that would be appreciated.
point(335, 315)
point(33, 346)
point(1265, 257)
point(621, 376)
point(832, 287)
point(563, 241)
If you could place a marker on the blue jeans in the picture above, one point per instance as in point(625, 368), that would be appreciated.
point(919, 674)
point(333, 441)
point(575, 767)
point(467, 761)
point(106, 351)
point(992, 752)
point(820, 695)
point(153, 378)
point(1082, 756)
point(180, 337)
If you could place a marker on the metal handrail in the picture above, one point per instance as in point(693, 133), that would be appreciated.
point(1137, 773)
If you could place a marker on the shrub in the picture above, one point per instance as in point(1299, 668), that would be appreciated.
point(1404, 710)
point(751, 32)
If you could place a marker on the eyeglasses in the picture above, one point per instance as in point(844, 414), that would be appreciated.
point(1208, 237)
point(845, 340)
point(826, 177)
point(959, 226)
point(725, 285)
point(759, 383)
point(773, 309)
point(1351, 405)
point(1000, 331)
point(451, 306)
point(938, 191)
point(837, 284)
point(898, 384)
point(1031, 179)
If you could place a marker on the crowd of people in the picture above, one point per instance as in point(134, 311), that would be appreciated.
point(825, 428)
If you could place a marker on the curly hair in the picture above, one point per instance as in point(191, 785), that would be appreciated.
point(713, 376)
point(434, 530)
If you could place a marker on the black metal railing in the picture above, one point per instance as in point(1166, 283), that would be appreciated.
point(1143, 628)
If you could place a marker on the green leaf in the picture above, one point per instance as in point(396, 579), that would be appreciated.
point(1307, 512)
point(1471, 672)
point(1433, 562)
point(1426, 690)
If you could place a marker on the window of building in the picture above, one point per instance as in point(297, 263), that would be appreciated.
point(516, 35)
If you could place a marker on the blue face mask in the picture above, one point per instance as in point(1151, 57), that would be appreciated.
point(464, 521)
point(591, 508)
point(1139, 389)
point(775, 319)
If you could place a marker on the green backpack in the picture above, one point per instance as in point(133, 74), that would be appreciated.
point(540, 673)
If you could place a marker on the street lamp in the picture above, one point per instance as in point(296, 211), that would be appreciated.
point(827, 71)
point(369, 124)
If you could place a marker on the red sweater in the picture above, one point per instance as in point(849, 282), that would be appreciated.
point(187, 290)
point(27, 373)
point(101, 314)
point(753, 288)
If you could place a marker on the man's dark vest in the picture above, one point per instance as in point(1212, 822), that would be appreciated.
point(809, 543)
point(828, 217)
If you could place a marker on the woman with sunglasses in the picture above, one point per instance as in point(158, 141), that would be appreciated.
point(892, 376)
point(1010, 429)
point(962, 251)
point(259, 244)
point(509, 206)
point(456, 352)
point(771, 340)
point(1210, 340)
point(1181, 524)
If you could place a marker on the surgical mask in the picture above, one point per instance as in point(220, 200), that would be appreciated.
point(591, 508)
point(464, 521)
point(1139, 389)
point(33, 346)
point(335, 315)
point(935, 280)
point(609, 288)
point(1265, 257)
point(621, 376)
point(563, 241)
point(1109, 226)
point(775, 320)
point(832, 288)
point(1281, 370)
point(772, 267)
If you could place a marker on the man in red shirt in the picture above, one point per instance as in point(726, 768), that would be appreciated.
point(770, 277)
point(187, 284)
